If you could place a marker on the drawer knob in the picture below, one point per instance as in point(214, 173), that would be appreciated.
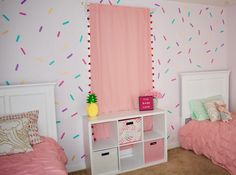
point(153, 143)
point(105, 154)
point(129, 123)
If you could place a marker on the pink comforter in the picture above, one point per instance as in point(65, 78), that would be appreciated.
point(46, 159)
point(215, 140)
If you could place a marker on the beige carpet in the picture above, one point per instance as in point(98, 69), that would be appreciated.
point(181, 162)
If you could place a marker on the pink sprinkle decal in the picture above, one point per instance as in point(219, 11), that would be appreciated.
point(62, 136)
point(22, 2)
point(208, 51)
point(64, 110)
point(61, 83)
point(222, 11)
point(211, 27)
point(190, 61)
point(163, 10)
point(23, 51)
point(58, 34)
point(22, 13)
point(189, 50)
point(83, 156)
point(179, 11)
point(74, 114)
point(179, 52)
point(84, 61)
point(109, 2)
point(164, 37)
point(200, 12)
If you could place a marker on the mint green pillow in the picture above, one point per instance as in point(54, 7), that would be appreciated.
point(197, 109)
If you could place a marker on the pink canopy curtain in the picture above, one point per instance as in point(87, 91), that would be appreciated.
point(121, 67)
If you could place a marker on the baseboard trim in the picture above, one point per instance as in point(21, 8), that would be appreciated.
point(72, 168)
point(173, 145)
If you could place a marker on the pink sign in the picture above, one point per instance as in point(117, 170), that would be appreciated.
point(145, 103)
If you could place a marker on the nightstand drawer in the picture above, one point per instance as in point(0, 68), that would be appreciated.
point(105, 161)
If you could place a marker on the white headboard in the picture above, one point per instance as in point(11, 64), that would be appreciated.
point(22, 98)
point(197, 85)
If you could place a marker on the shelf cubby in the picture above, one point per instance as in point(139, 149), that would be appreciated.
point(154, 127)
point(104, 135)
point(131, 156)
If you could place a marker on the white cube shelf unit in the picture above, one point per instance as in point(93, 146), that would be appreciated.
point(125, 141)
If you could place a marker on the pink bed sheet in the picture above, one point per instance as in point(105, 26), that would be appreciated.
point(47, 158)
point(215, 140)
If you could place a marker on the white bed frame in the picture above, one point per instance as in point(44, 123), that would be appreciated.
point(197, 85)
point(22, 98)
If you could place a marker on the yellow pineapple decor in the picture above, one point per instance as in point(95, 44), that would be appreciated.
point(92, 108)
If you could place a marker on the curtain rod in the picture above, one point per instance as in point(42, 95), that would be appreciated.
point(85, 3)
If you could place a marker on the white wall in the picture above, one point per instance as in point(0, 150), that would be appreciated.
point(231, 13)
point(178, 47)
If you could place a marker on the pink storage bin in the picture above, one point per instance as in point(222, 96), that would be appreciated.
point(154, 150)
point(130, 130)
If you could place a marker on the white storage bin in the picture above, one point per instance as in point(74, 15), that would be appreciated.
point(105, 162)
point(130, 130)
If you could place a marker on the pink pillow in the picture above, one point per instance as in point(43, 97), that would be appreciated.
point(32, 116)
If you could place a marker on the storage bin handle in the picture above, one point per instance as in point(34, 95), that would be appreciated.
point(129, 123)
point(153, 143)
point(105, 154)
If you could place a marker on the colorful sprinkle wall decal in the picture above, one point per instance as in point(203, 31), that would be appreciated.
point(23, 51)
point(22, 2)
point(62, 135)
point(73, 115)
point(22, 13)
point(64, 110)
point(40, 28)
point(52, 62)
point(17, 66)
point(61, 83)
point(76, 136)
point(7, 83)
point(72, 97)
point(17, 38)
point(65, 22)
point(69, 56)
point(6, 17)
point(81, 38)
point(77, 76)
